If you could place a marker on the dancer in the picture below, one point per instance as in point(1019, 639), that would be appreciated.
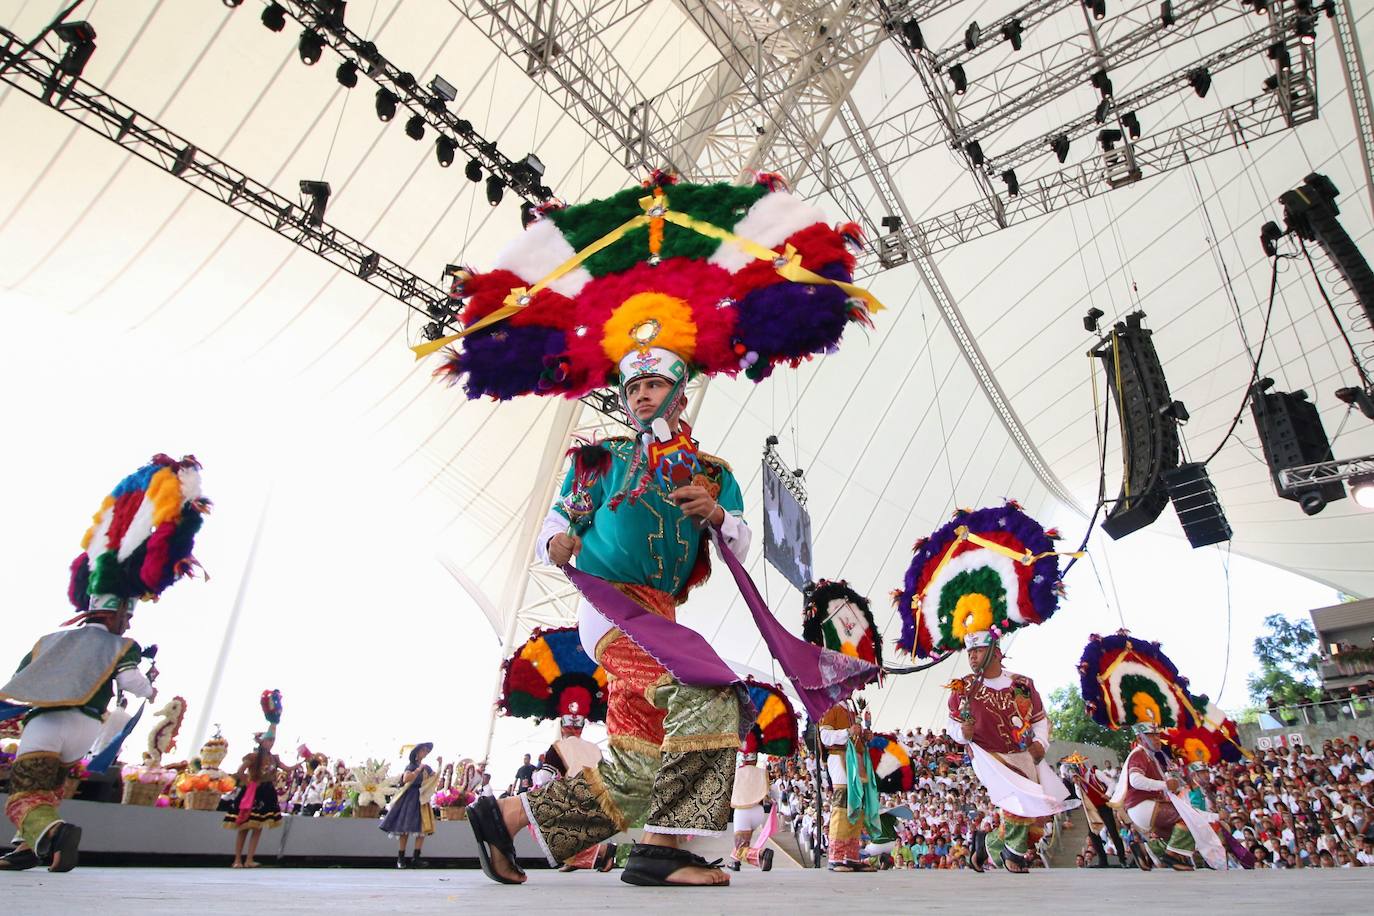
point(1143, 793)
point(1096, 793)
point(774, 733)
point(410, 814)
point(1000, 717)
point(139, 544)
point(254, 805)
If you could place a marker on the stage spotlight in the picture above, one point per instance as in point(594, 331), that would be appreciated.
point(1012, 32)
point(386, 104)
point(432, 331)
point(443, 89)
point(274, 17)
point(975, 151)
point(443, 151)
point(415, 127)
point(1132, 124)
point(1166, 13)
point(368, 265)
point(1306, 29)
point(233, 4)
point(311, 47)
point(959, 79)
point(911, 31)
point(1102, 83)
point(1357, 397)
point(1103, 109)
point(473, 171)
point(1090, 320)
point(1280, 56)
point(496, 189)
point(347, 74)
point(1329, 8)
point(318, 192)
point(1270, 233)
point(1362, 489)
point(971, 36)
point(1013, 186)
point(1060, 145)
point(1109, 138)
point(1098, 8)
point(1201, 81)
point(80, 39)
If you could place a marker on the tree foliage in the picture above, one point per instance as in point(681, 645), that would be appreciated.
point(1289, 663)
point(1071, 722)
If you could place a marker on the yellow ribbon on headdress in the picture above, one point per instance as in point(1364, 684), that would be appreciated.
point(962, 534)
point(788, 266)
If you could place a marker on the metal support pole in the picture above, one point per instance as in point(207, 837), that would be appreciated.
point(817, 847)
point(1352, 65)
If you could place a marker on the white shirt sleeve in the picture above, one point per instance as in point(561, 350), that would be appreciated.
point(131, 680)
point(956, 730)
point(1041, 730)
point(1140, 781)
point(737, 535)
point(554, 523)
point(834, 737)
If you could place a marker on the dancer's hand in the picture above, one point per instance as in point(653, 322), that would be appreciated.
point(966, 728)
point(1037, 751)
point(1172, 784)
point(563, 547)
point(695, 502)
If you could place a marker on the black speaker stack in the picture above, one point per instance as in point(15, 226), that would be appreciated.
point(1292, 435)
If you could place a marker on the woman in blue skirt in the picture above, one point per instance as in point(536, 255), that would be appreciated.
point(410, 813)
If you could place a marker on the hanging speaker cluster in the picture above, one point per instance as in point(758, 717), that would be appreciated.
point(1149, 431)
point(1195, 502)
point(1292, 435)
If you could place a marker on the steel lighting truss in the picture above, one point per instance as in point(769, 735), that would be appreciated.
point(37, 72)
point(1325, 472)
point(324, 20)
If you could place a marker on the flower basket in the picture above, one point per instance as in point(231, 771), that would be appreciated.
point(370, 810)
point(203, 800)
point(455, 813)
point(141, 793)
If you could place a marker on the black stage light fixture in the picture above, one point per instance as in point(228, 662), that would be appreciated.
point(443, 89)
point(1310, 210)
point(1098, 8)
point(496, 189)
point(437, 310)
point(233, 4)
point(443, 151)
point(1090, 319)
point(1357, 397)
point(1166, 13)
point(1270, 233)
point(1132, 124)
point(1012, 32)
point(1149, 436)
point(1201, 81)
point(975, 151)
point(1329, 8)
point(432, 331)
point(311, 46)
point(1305, 27)
point(1104, 108)
point(368, 266)
point(1291, 434)
point(386, 104)
point(1013, 186)
point(1102, 83)
point(415, 127)
point(528, 214)
point(959, 79)
point(1109, 138)
point(1195, 502)
point(1271, 82)
point(971, 36)
point(80, 39)
point(1060, 145)
point(473, 171)
point(318, 192)
point(274, 17)
point(347, 74)
point(911, 31)
point(1280, 56)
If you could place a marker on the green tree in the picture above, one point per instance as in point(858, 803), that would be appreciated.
point(1071, 722)
point(1289, 663)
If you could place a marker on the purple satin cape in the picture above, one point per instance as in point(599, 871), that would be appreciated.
point(821, 677)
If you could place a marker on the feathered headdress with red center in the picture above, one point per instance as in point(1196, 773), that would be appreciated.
point(549, 673)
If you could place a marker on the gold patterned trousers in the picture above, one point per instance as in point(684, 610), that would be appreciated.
point(670, 763)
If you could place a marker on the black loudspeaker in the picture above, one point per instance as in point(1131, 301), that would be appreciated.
point(1291, 434)
point(1195, 501)
point(1311, 212)
point(1149, 435)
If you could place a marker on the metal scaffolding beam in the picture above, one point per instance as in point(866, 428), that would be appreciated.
point(991, 35)
point(1357, 86)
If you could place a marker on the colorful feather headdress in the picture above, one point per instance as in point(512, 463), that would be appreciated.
point(729, 279)
point(141, 538)
point(271, 711)
point(990, 570)
point(891, 764)
point(774, 731)
point(848, 628)
point(550, 673)
point(1126, 681)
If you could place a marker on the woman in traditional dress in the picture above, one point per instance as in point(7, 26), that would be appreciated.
point(254, 804)
point(410, 813)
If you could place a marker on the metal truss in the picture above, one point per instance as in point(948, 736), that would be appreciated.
point(322, 18)
point(1352, 65)
point(1325, 472)
point(791, 480)
point(991, 35)
point(37, 72)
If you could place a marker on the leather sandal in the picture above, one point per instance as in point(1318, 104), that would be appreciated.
point(606, 861)
point(1014, 863)
point(650, 866)
point(489, 830)
point(766, 860)
point(20, 859)
point(59, 847)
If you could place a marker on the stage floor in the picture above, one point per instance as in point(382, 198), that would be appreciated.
point(209, 892)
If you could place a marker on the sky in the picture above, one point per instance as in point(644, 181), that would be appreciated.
point(346, 608)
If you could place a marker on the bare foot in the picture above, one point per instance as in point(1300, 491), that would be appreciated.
point(696, 875)
point(503, 867)
point(250, 864)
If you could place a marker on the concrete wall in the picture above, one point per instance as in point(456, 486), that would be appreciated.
point(1098, 755)
point(1308, 734)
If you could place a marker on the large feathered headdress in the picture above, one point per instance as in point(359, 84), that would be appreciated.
point(891, 764)
point(988, 571)
point(550, 674)
point(848, 628)
point(140, 540)
point(774, 731)
point(668, 279)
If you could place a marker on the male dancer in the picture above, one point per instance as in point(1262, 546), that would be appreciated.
point(671, 751)
point(1096, 794)
point(846, 761)
point(753, 803)
point(1000, 717)
point(1141, 793)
